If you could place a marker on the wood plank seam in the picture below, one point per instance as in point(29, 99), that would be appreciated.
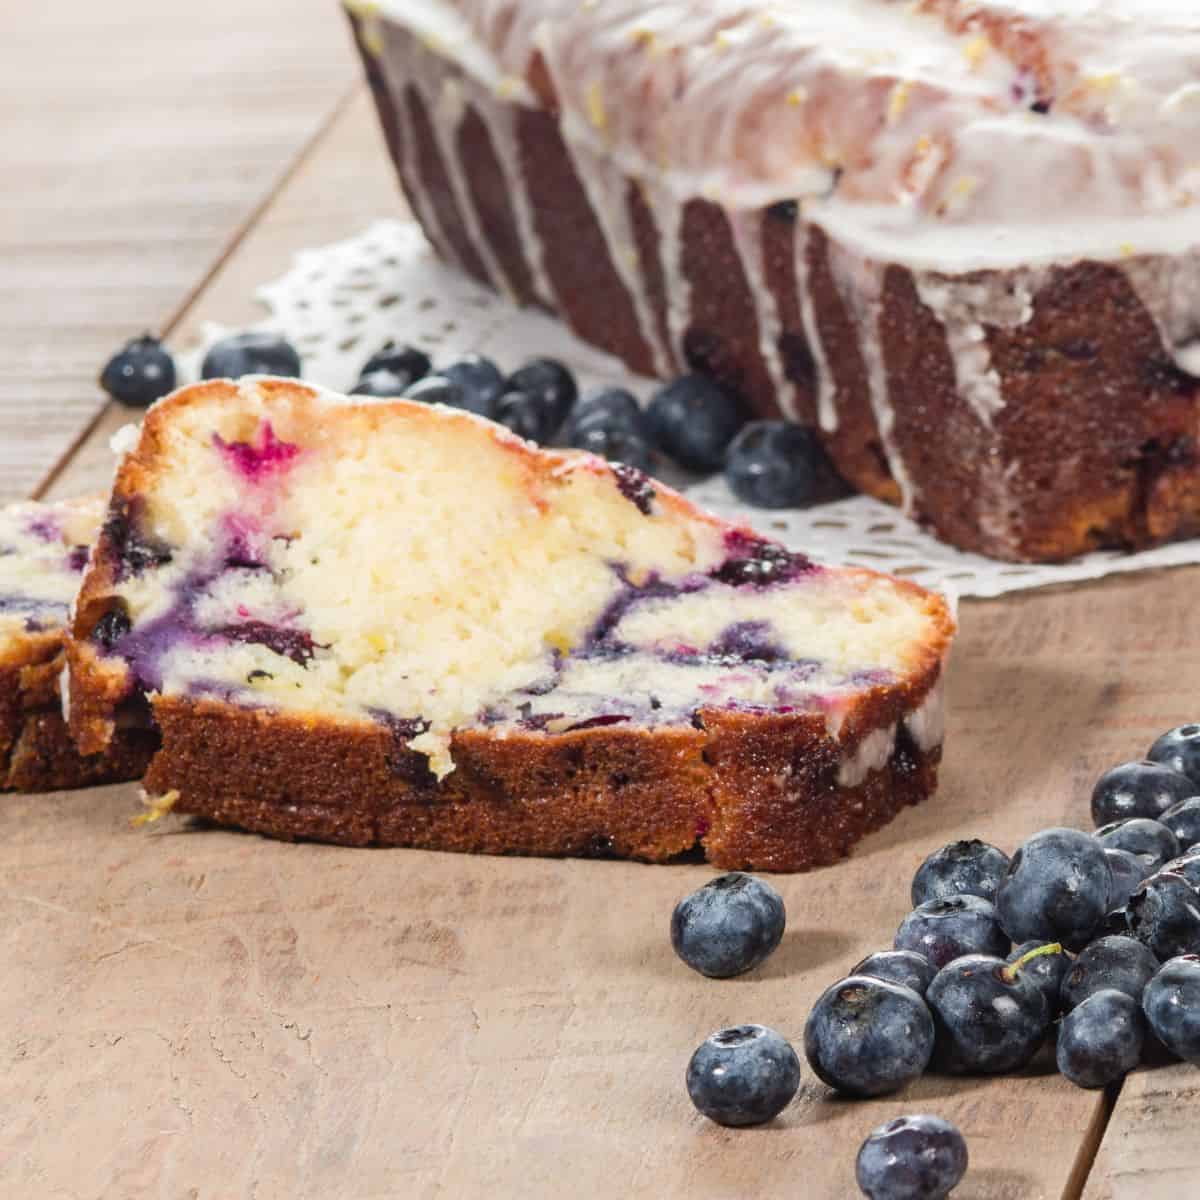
point(176, 318)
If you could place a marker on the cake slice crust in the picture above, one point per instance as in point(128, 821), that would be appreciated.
point(397, 624)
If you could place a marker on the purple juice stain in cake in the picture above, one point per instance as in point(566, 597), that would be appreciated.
point(45, 527)
point(260, 459)
point(295, 644)
point(77, 559)
point(598, 637)
point(597, 722)
point(635, 486)
point(132, 552)
point(756, 562)
point(410, 765)
point(748, 641)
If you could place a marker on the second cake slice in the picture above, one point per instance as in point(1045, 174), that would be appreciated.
point(398, 624)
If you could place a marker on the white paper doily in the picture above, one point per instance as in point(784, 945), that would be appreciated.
point(340, 303)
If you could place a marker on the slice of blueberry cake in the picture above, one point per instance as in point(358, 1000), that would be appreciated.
point(43, 551)
point(399, 624)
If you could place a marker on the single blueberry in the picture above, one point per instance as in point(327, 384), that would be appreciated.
point(480, 382)
point(611, 408)
point(693, 420)
point(1100, 1040)
point(1183, 820)
point(1171, 1003)
point(254, 353)
point(617, 446)
point(404, 362)
point(1149, 840)
point(1120, 963)
point(1138, 789)
point(139, 373)
point(527, 416)
point(743, 1076)
point(868, 1037)
point(1046, 970)
point(775, 464)
point(990, 1018)
point(436, 389)
point(943, 930)
point(1164, 913)
point(728, 926)
point(111, 628)
point(381, 382)
point(972, 867)
point(552, 384)
point(920, 1157)
point(1179, 749)
point(1056, 889)
point(1128, 871)
point(905, 967)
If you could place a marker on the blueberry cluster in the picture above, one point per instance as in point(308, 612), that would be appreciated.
point(1092, 940)
point(692, 420)
point(869, 1034)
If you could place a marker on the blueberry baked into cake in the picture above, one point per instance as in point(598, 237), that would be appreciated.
point(396, 623)
point(961, 238)
point(43, 551)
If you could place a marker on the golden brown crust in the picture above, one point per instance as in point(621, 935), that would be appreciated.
point(37, 753)
point(1095, 445)
point(747, 790)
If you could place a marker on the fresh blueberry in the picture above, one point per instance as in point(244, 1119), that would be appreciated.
point(1171, 1003)
point(1128, 871)
point(111, 628)
point(905, 967)
point(1056, 889)
point(1100, 1040)
point(1138, 789)
point(1045, 970)
point(1187, 865)
point(990, 1017)
point(693, 420)
point(743, 1076)
point(943, 930)
point(1183, 820)
point(1120, 963)
point(775, 464)
point(436, 389)
point(868, 1037)
point(527, 416)
point(728, 926)
point(1151, 841)
point(139, 373)
point(973, 867)
point(920, 1157)
point(1179, 749)
point(381, 382)
point(480, 382)
point(1164, 913)
point(404, 362)
point(254, 353)
point(549, 382)
point(611, 408)
point(615, 445)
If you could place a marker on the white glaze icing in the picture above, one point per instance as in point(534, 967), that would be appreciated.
point(827, 416)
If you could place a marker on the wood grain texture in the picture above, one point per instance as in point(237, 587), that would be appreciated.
point(138, 140)
point(196, 1012)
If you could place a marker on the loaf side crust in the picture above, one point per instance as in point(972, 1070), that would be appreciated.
point(1089, 440)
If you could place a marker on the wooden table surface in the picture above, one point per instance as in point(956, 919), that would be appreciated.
point(196, 1014)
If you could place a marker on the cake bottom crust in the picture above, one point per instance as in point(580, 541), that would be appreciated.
point(744, 790)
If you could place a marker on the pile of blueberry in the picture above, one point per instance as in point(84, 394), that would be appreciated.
point(692, 420)
point(1091, 940)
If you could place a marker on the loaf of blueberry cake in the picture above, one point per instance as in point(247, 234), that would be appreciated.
point(959, 237)
point(43, 551)
point(395, 623)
